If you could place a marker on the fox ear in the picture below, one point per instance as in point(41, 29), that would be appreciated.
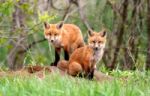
point(60, 25)
point(103, 33)
point(46, 25)
point(90, 32)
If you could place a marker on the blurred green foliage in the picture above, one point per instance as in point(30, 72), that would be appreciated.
point(99, 15)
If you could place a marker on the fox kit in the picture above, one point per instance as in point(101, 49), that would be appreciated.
point(66, 36)
point(83, 60)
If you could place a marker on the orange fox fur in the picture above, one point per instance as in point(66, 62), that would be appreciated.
point(65, 36)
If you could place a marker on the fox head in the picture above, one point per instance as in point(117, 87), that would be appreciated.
point(97, 40)
point(53, 32)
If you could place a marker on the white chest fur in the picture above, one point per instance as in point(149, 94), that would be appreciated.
point(97, 56)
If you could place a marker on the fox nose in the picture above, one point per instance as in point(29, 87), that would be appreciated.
point(96, 48)
point(52, 40)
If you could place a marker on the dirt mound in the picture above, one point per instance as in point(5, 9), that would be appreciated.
point(41, 71)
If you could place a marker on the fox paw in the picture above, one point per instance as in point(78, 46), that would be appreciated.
point(53, 64)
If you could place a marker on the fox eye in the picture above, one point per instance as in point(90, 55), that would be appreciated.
point(49, 34)
point(55, 34)
point(99, 41)
point(93, 42)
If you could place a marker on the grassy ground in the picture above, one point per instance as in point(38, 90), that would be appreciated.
point(136, 84)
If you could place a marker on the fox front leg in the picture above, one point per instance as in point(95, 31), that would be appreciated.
point(57, 56)
point(66, 55)
point(90, 74)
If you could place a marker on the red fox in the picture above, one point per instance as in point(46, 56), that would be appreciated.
point(66, 36)
point(83, 60)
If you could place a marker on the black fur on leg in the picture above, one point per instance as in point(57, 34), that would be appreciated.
point(81, 75)
point(57, 58)
point(90, 74)
point(66, 55)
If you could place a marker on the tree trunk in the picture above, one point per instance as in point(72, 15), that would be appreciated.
point(132, 49)
point(15, 58)
point(120, 33)
point(148, 32)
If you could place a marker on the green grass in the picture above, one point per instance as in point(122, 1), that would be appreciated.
point(137, 84)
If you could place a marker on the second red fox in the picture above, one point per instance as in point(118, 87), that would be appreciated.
point(83, 60)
